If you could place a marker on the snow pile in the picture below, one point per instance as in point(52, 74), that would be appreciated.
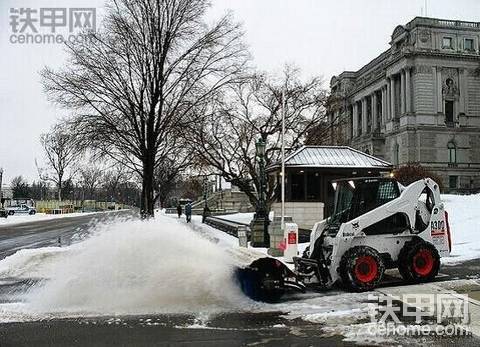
point(464, 219)
point(25, 218)
point(128, 267)
point(245, 218)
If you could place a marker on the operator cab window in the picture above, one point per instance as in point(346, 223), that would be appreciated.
point(371, 194)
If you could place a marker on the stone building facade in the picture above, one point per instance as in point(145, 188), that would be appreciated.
point(417, 102)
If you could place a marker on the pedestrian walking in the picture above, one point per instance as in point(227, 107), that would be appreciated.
point(188, 212)
point(179, 210)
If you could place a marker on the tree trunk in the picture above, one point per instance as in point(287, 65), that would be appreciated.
point(148, 200)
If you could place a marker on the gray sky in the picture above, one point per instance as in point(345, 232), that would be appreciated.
point(321, 37)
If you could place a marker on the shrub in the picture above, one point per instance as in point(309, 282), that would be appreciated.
point(413, 172)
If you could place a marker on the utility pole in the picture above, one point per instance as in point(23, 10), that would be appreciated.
point(1, 179)
point(283, 161)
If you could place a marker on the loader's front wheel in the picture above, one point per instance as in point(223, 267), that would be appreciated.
point(361, 269)
point(418, 261)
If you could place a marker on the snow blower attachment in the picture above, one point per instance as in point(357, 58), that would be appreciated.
point(377, 224)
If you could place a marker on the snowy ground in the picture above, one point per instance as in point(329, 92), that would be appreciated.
point(25, 218)
point(239, 217)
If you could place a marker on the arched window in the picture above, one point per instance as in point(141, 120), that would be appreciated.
point(452, 152)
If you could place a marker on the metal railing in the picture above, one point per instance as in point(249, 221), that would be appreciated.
point(228, 226)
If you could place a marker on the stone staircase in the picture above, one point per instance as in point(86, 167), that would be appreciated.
point(226, 200)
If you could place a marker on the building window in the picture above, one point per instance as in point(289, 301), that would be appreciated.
point(452, 153)
point(453, 182)
point(469, 45)
point(449, 112)
point(447, 42)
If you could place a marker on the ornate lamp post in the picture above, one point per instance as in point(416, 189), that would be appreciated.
point(206, 211)
point(260, 236)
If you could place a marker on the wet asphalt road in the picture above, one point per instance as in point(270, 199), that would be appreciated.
point(233, 329)
point(46, 233)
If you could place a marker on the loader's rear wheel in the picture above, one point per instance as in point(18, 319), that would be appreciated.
point(361, 268)
point(418, 261)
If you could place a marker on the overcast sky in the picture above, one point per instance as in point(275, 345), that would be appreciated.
point(319, 36)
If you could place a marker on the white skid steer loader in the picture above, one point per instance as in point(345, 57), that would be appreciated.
point(377, 224)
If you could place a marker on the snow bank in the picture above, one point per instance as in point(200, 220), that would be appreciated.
point(239, 217)
point(24, 218)
point(464, 218)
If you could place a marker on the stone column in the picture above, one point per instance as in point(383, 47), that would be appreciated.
point(382, 120)
point(374, 112)
point(402, 92)
point(392, 98)
point(364, 115)
point(387, 101)
point(355, 119)
point(461, 90)
point(408, 92)
point(439, 91)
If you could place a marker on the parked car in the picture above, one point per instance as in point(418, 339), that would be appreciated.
point(21, 209)
point(3, 213)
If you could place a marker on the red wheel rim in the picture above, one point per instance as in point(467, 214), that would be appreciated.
point(423, 262)
point(366, 268)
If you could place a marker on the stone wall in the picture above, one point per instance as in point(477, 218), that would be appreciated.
point(305, 214)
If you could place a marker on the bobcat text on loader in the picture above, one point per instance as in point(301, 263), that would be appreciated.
point(377, 224)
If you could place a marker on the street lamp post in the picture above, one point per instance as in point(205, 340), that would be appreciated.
point(260, 236)
point(206, 211)
point(1, 192)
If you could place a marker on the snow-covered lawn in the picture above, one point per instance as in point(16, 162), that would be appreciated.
point(464, 218)
point(25, 218)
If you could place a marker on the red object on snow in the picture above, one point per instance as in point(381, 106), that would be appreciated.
point(292, 238)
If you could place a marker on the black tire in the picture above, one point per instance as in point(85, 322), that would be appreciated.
point(11, 213)
point(418, 261)
point(361, 269)
point(32, 212)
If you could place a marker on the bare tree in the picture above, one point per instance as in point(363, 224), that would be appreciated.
point(60, 156)
point(141, 75)
point(90, 178)
point(113, 179)
point(176, 160)
point(225, 140)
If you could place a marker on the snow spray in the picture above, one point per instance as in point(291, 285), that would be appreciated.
point(129, 267)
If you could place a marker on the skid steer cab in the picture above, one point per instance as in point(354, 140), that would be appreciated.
point(377, 224)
